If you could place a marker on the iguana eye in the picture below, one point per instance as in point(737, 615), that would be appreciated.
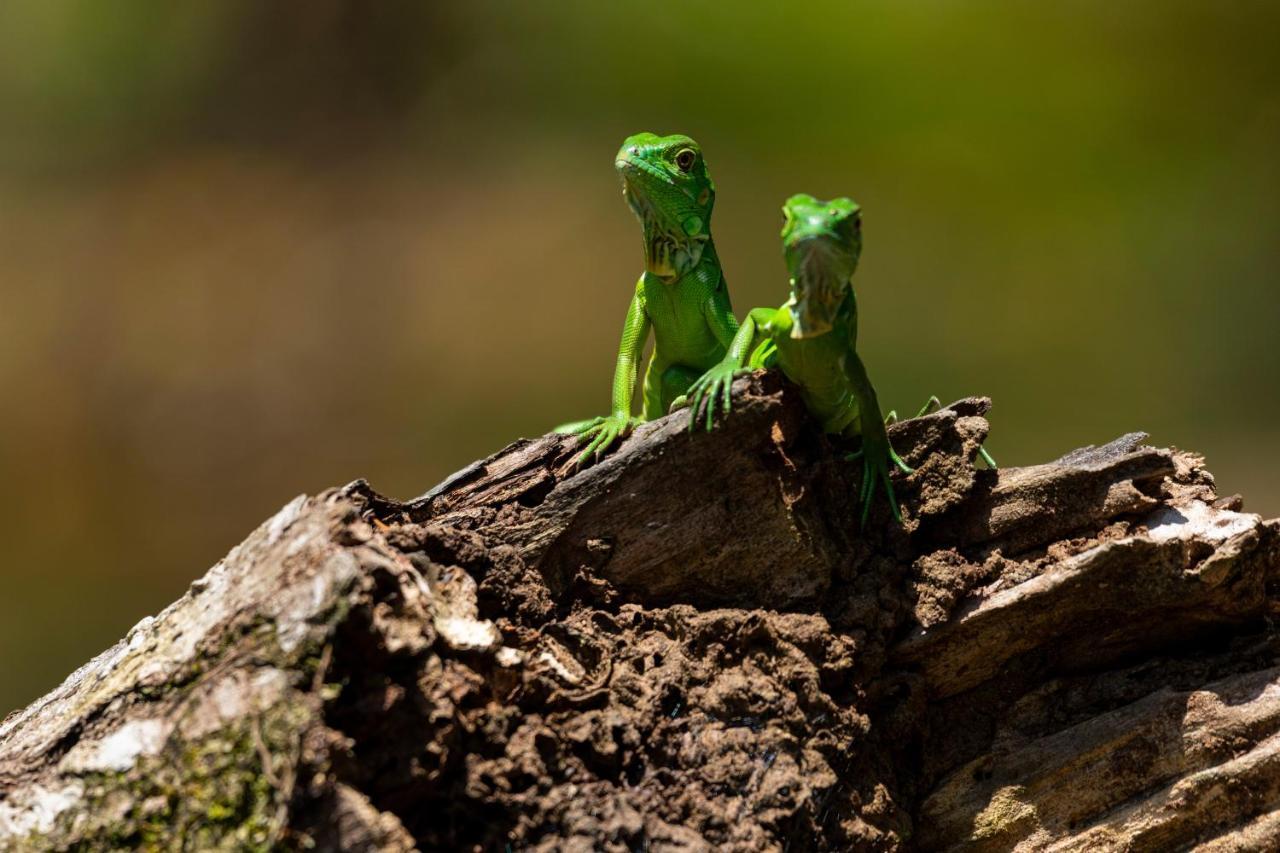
point(685, 159)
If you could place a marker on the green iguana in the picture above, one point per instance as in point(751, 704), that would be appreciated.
point(681, 295)
point(813, 338)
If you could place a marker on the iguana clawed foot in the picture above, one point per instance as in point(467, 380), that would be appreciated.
point(712, 388)
point(599, 433)
point(877, 455)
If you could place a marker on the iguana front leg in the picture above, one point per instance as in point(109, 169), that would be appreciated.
point(603, 431)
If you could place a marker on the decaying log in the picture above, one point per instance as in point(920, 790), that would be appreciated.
point(693, 645)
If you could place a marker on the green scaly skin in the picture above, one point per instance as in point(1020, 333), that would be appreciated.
point(813, 339)
point(681, 296)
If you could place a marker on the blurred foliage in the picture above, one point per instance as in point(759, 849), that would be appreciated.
point(249, 249)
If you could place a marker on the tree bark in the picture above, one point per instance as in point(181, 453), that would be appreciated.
point(693, 645)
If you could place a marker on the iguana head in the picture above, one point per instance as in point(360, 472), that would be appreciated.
point(821, 241)
point(665, 180)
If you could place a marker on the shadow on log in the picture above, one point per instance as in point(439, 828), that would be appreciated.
point(691, 645)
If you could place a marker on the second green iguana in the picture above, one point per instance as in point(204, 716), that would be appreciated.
point(813, 338)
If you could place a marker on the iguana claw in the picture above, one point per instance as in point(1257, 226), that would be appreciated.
point(714, 386)
point(601, 433)
point(575, 427)
point(764, 355)
point(875, 469)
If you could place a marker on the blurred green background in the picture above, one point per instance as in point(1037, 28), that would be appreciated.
point(250, 249)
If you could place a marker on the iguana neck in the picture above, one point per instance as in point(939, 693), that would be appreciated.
point(820, 291)
point(671, 254)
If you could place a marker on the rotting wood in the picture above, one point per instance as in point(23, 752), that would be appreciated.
point(691, 645)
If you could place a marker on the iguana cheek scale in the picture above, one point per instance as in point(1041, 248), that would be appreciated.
point(681, 296)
